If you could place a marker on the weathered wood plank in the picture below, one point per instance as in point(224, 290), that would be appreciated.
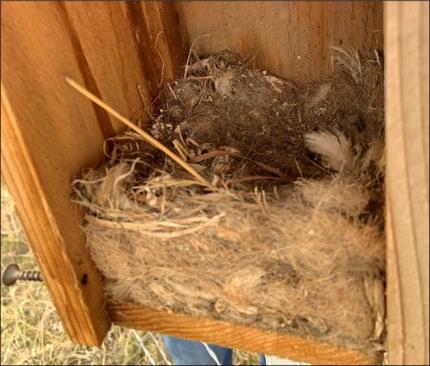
point(49, 132)
point(86, 322)
point(105, 38)
point(47, 135)
point(236, 336)
point(407, 183)
point(165, 40)
point(289, 39)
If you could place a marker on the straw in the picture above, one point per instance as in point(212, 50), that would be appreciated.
point(147, 137)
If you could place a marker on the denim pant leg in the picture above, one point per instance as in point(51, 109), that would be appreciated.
point(262, 359)
point(186, 352)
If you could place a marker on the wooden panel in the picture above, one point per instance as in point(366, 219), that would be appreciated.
point(407, 195)
point(236, 336)
point(289, 39)
point(163, 28)
point(128, 45)
point(49, 132)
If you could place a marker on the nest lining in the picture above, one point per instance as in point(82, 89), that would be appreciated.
point(288, 235)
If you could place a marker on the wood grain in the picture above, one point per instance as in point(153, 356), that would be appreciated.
point(407, 133)
point(165, 40)
point(86, 322)
point(50, 132)
point(236, 336)
point(289, 39)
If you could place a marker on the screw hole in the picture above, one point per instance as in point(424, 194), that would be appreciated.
point(84, 279)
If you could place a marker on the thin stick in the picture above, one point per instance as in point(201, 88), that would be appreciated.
point(215, 153)
point(176, 98)
point(210, 155)
point(147, 137)
point(189, 53)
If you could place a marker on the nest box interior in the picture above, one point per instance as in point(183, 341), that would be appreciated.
point(124, 53)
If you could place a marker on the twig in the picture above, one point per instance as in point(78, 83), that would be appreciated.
point(271, 169)
point(211, 154)
point(180, 149)
point(174, 95)
point(189, 54)
point(147, 137)
point(298, 167)
point(215, 153)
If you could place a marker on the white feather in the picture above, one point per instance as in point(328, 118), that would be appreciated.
point(335, 149)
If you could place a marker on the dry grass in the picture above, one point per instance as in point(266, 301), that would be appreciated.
point(31, 331)
point(159, 243)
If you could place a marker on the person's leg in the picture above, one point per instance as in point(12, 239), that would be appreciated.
point(262, 360)
point(186, 352)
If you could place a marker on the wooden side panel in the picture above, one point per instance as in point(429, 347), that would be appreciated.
point(289, 39)
point(49, 132)
point(166, 42)
point(236, 336)
point(407, 180)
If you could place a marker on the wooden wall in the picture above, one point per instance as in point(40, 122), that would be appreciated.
point(407, 181)
point(49, 132)
point(288, 38)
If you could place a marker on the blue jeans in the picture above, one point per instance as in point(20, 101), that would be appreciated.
point(186, 352)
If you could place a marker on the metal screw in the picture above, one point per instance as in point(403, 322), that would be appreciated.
point(12, 274)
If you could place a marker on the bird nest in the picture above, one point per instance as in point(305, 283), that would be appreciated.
point(285, 230)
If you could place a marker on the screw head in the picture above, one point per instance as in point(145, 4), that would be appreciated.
point(10, 274)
